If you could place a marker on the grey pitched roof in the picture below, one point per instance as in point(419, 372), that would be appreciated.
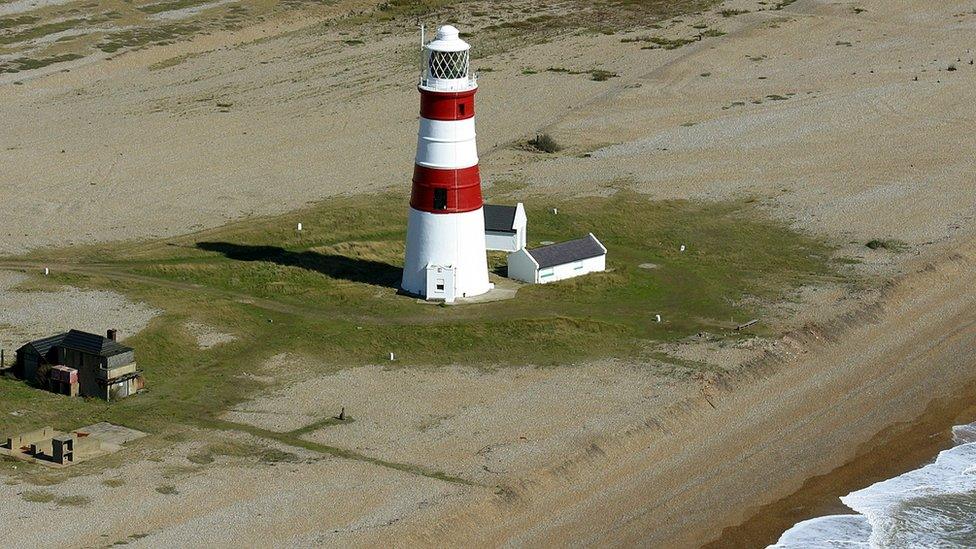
point(44, 346)
point(567, 252)
point(499, 218)
point(92, 344)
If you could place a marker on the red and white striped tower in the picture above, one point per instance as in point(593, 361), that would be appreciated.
point(445, 255)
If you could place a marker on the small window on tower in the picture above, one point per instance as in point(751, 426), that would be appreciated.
point(440, 199)
point(461, 109)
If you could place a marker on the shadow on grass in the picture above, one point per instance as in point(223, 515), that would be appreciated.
point(331, 265)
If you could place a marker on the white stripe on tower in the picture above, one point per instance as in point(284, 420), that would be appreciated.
point(447, 144)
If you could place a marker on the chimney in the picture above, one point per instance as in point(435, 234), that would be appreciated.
point(113, 334)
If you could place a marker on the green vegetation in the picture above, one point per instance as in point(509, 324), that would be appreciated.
point(137, 37)
point(37, 496)
point(170, 6)
point(545, 143)
point(329, 292)
point(167, 490)
point(600, 75)
point(660, 42)
point(891, 245)
point(25, 63)
point(43, 496)
point(73, 501)
point(39, 31)
point(9, 22)
point(732, 12)
point(211, 452)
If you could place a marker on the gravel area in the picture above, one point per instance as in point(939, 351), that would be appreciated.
point(28, 315)
point(207, 336)
point(473, 423)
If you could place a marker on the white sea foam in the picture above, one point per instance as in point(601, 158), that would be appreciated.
point(934, 506)
point(833, 531)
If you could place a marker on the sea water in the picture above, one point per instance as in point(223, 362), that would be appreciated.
point(934, 506)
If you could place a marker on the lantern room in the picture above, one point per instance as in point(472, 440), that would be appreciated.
point(446, 62)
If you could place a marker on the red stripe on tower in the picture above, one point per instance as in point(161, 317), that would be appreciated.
point(447, 105)
point(446, 191)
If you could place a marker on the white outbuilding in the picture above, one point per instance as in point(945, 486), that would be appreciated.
point(505, 227)
point(558, 261)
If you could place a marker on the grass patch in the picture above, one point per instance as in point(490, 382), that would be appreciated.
point(9, 22)
point(600, 75)
point(545, 143)
point(167, 490)
point(26, 64)
point(659, 42)
point(732, 12)
point(114, 482)
point(72, 501)
point(37, 496)
point(209, 454)
point(170, 6)
point(138, 37)
point(888, 244)
point(39, 31)
point(330, 293)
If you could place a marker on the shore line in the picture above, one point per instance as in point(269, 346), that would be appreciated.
point(897, 450)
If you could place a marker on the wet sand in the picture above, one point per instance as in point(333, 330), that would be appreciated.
point(895, 451)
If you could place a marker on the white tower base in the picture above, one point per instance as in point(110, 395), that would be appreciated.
point(450, 246)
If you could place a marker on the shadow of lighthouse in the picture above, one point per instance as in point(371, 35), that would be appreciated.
point(335, 266)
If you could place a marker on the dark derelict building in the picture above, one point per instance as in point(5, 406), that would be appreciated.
point(80, 363)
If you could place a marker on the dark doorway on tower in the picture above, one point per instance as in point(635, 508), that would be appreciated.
point(440, 199)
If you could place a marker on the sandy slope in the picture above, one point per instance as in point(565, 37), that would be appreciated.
point(695, 468)
point(848, 156)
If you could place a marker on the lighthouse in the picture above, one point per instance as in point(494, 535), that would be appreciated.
point(445, 257)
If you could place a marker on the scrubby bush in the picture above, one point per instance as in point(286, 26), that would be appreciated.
point(545, 143)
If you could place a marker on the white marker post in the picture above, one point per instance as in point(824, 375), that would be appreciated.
point(682, 247)
point(657, 318)
point(392, 357)
point(47, 271)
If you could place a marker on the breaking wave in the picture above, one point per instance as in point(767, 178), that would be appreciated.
point(933, 506)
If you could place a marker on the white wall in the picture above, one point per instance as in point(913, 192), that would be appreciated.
point(520, 226)
point(446, 239)
point(570, 270)
point(502, 242)
point(522, 267)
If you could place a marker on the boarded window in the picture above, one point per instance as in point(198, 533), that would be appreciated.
point(440, 199)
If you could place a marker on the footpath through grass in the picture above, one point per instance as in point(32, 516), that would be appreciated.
point(329, 293)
